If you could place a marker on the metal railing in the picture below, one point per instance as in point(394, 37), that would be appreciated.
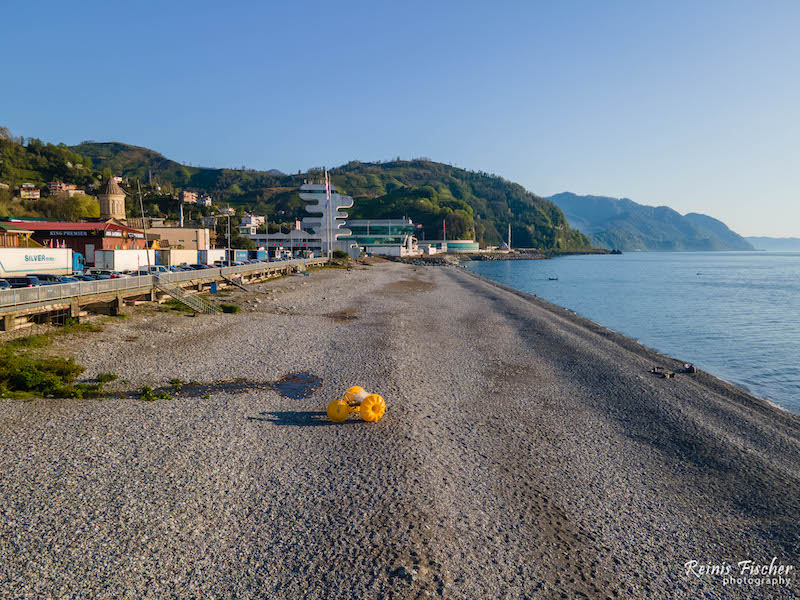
point(196, 303)
point(63, 291)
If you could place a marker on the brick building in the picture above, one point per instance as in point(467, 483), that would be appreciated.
point(85, 237)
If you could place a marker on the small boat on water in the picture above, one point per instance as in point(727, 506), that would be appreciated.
point(553, 278)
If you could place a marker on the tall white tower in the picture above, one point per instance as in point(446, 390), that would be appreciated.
point(328, 225)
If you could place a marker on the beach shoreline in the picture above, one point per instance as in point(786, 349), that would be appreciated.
point(659, 358)
point(525, 452)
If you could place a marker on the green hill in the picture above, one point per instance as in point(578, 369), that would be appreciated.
point(471, 203)
point(623, 224)
point(39, 163)
point(429, 192)
point(135, 162)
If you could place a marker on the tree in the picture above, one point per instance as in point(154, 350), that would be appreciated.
point(65, 208)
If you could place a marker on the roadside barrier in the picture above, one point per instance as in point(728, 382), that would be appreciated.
point(62, 291)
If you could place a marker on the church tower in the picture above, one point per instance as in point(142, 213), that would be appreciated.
point(112, 201)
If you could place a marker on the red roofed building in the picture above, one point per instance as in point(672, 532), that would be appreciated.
point(85, 237)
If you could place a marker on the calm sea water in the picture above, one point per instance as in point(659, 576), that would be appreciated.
point(733, 314)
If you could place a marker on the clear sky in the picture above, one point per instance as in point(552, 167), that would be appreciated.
point(695, 105)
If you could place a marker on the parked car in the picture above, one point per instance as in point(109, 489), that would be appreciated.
point(106, 274)
point(47, 279)
point(152, 270)
point(4, 285)
point(200, 267)
point(23, 282)
point(85, 277)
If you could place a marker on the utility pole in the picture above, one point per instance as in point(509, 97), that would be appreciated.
point(144, 226)
point(229, 240)
point(328, 227)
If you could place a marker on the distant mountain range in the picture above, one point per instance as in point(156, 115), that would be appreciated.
point(623, 224)
point(775, 244)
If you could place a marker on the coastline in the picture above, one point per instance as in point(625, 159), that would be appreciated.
point(720, 384)
point(525, 452)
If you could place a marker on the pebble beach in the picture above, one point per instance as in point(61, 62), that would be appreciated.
point(525, 452)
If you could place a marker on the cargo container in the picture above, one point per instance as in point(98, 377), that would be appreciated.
point(237, 256)
point(15, 262)
point(176, 256)
point(258, 254)
point(124, 260)
point(209, 257)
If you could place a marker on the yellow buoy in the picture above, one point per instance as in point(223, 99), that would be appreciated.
point(372, 408)
point(355, 395)
point(338, 411)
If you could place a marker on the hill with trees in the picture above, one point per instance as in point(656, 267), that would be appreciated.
point(470, 203)
point(39, 163)
point(623, 224)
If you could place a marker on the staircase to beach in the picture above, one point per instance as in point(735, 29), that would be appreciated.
point(194, 302)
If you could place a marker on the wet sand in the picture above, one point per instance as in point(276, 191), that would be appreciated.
point(525, 453)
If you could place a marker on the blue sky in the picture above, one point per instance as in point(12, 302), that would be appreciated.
point(694, 105)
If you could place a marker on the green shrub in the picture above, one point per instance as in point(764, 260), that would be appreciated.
point(340, 255)
point(177, 305)
point(30, 378)
point(106, 377)
point(31, 341)
point(22, 375)
point(150, 395)
point(87, 390)
point(230, 308)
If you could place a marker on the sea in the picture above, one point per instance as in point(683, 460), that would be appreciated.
point(735, 315)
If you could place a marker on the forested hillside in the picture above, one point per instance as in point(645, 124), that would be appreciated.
point(38, 163)
point(471, 203)
point(429, 192)
point(623, 224)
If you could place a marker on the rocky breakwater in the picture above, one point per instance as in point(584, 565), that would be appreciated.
point(516, 255)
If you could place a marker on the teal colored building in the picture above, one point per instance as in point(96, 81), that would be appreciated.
point(368, 232)
point(452, 245)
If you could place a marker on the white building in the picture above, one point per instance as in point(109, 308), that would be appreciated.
point(294, 241)
point(204, 200)
point(327, 219)
point(256, 220)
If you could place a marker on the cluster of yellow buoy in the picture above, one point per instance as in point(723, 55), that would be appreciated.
point(370, 406)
